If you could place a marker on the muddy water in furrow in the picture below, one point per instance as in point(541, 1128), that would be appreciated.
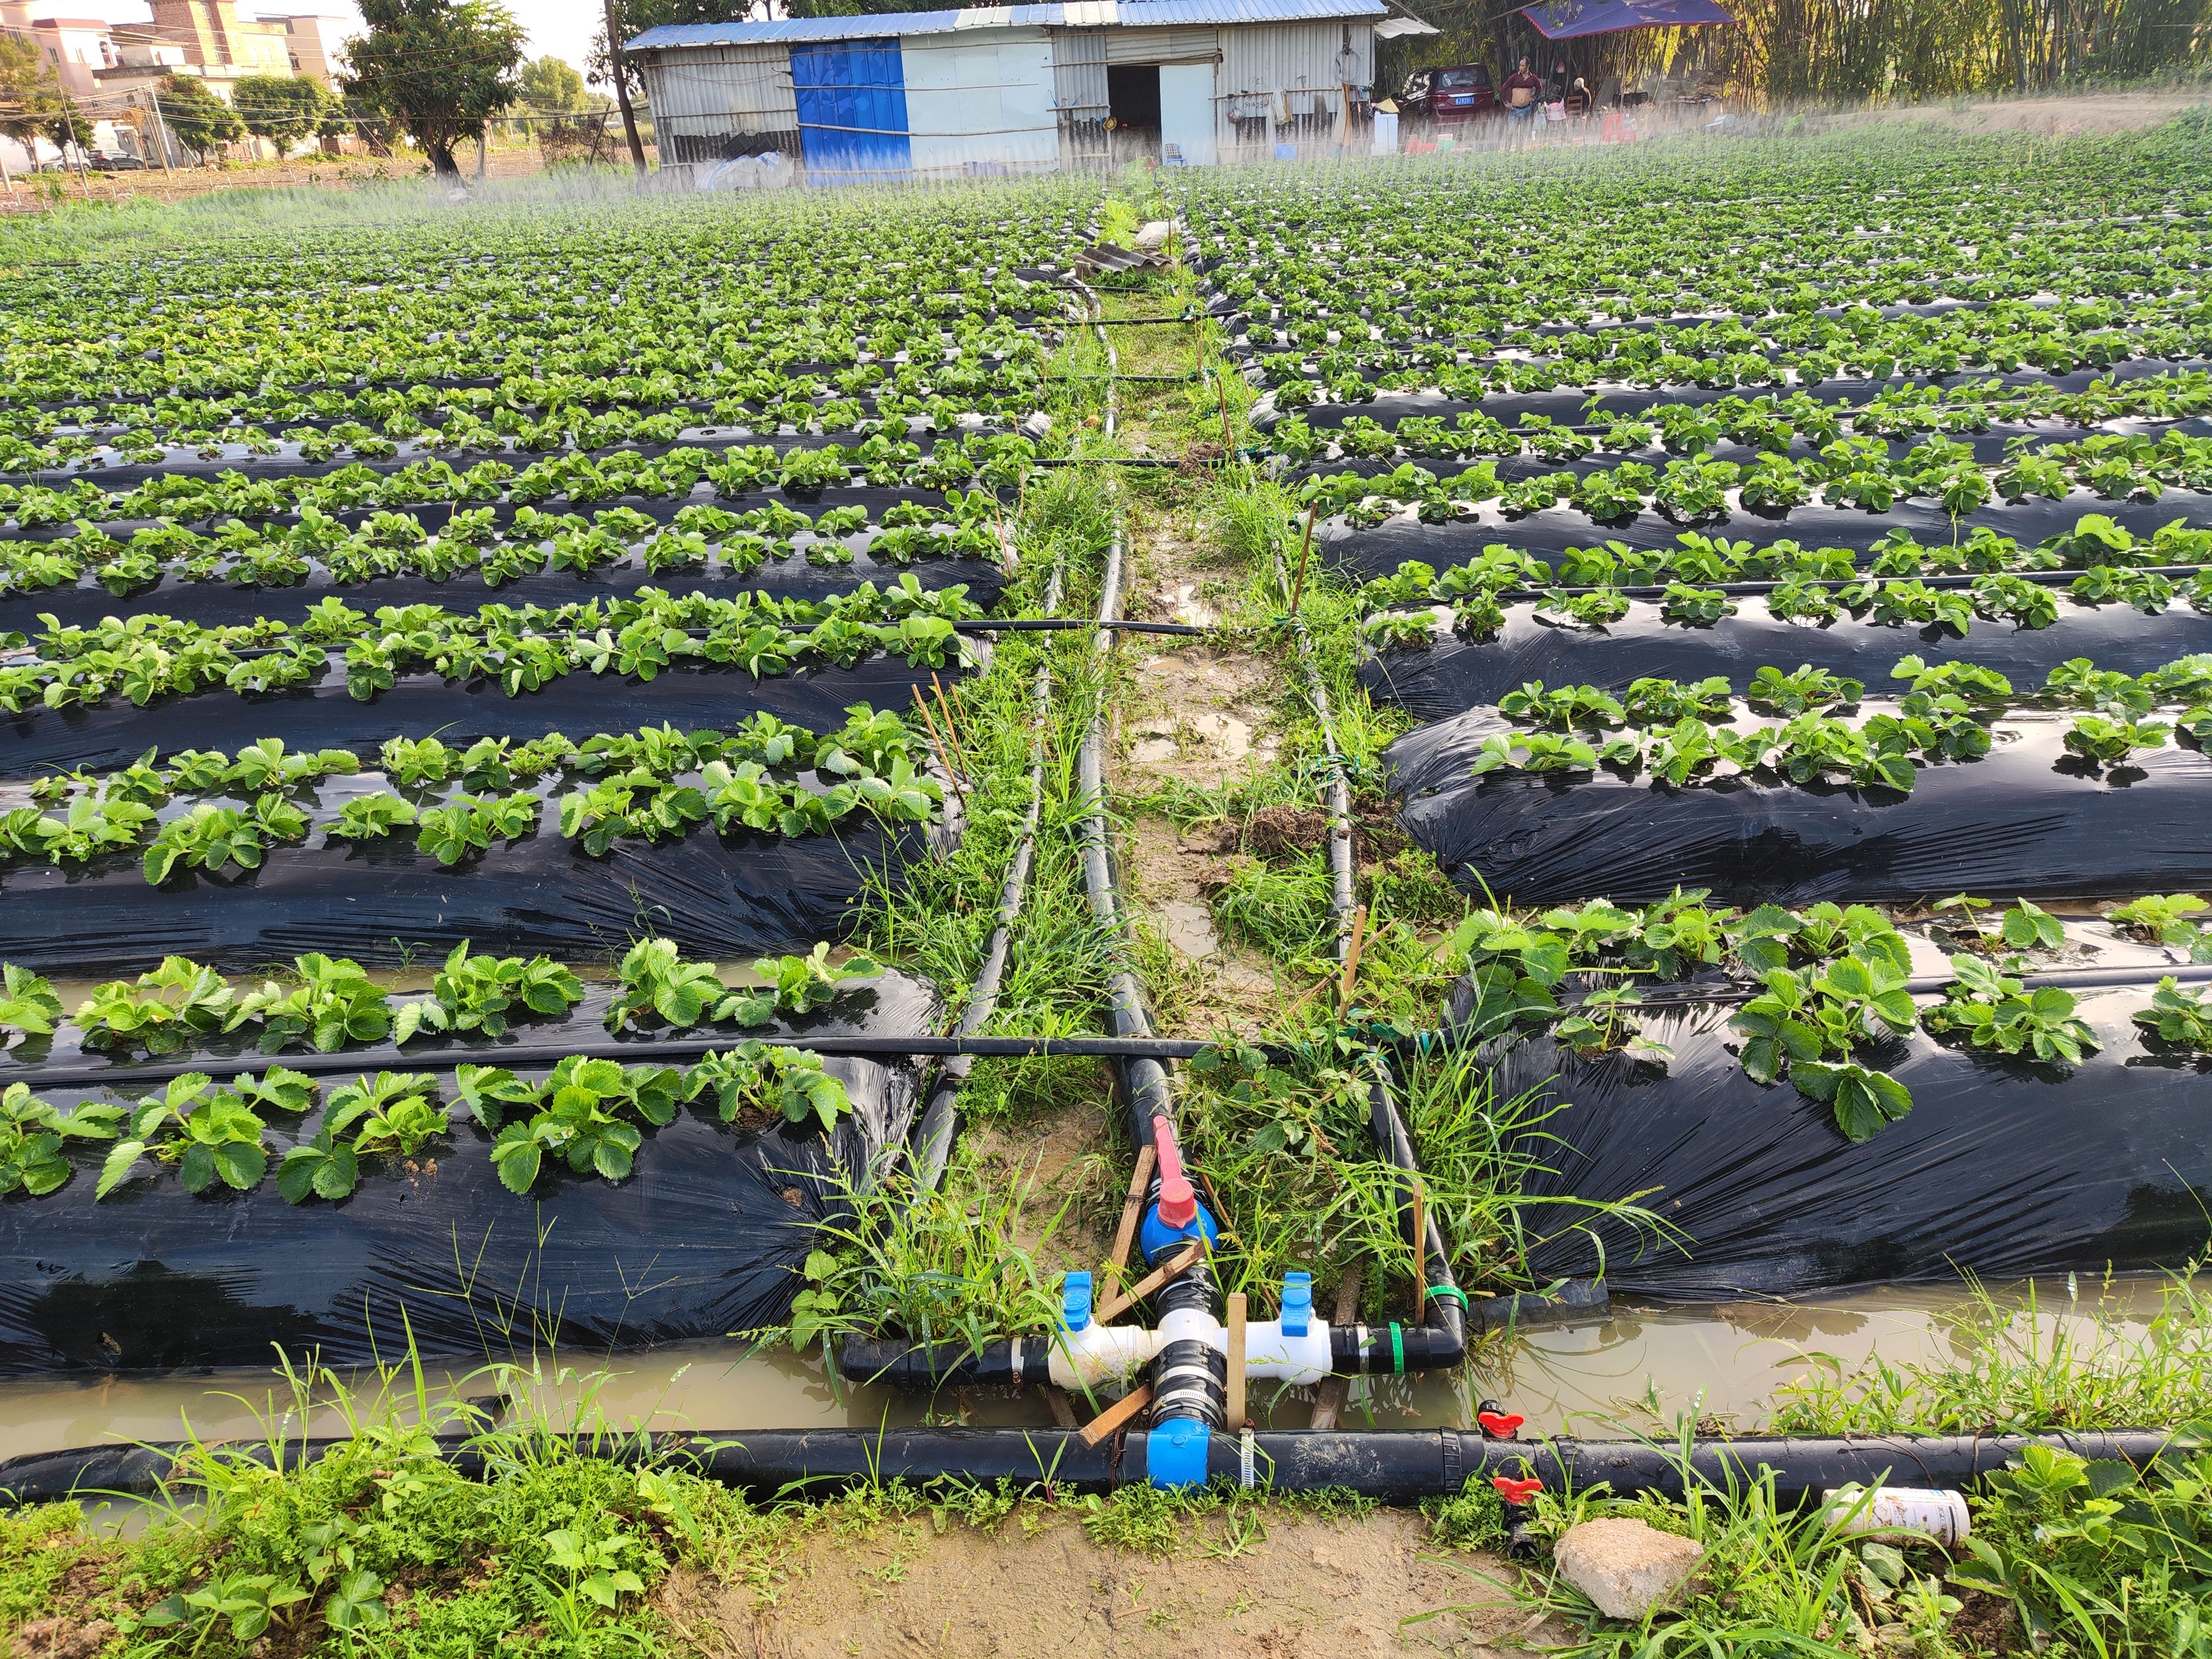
point(1635, 1371)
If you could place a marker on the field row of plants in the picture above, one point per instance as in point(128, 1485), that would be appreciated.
point(1686, 733)
point(1799, 425)
point(1850, 473)
point(711, 297)
point(702, 539)
point(328, 1004)
point(148, 656)
point(1822, 991)
point(1753, 246)
point(908, 401)
point(999, 461)
point(207, 811)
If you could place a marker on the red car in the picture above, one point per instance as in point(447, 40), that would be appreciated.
point(1458, 92)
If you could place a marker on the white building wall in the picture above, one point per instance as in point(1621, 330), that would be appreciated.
point(978, 100)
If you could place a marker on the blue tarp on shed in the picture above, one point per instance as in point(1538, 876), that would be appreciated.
point(852, 112)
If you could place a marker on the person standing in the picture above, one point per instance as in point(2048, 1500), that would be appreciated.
point(1522, 90)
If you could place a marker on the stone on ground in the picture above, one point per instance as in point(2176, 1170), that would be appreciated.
point(1626, 1567)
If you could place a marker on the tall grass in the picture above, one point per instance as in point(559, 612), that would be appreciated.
point(2025, 1365)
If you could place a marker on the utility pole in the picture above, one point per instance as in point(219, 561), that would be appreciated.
point(622, 92)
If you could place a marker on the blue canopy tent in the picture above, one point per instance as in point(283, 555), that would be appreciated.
point(1572, 20)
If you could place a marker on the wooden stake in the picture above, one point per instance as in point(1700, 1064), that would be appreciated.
point(1063, 1408)
point(1420, 1253)
point(945, 709)
point(1133, 1209)
point(1328, 1399)
point(1118, 1413)
point(1228, 432)
point(1236, 1362)
point(1181, 1261)
point(938, 744)
point(1351, 956)
point(1305, 551)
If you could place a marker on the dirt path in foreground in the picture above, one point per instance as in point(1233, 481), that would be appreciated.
point(1303, 1588)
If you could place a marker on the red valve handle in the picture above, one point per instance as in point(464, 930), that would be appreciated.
point(1178, 1203)
point(1515, 1491)
point(1499, 1426)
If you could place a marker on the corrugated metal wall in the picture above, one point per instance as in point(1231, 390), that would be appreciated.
point(710, 103)
point(1078, 80)
point(1163, 46)
point(1283, 82)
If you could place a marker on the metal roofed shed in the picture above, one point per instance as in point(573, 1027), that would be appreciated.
point(992, 90)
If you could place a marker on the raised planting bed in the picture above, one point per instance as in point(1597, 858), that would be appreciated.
point(662, 1199)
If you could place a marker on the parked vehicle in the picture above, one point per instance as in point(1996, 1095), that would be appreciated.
point(1457, 93)
point(116, 161)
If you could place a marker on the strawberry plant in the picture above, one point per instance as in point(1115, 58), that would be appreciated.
point(33, 1134)
point(2178, 1016)
point(654, 983)
point(393, 1112)
point(28, 1005)
point(2105, 743)
point(2164, 919)
point(170, 1008)
point(209, 1134)
point(1990, 1010)
point(476, 993)
point(772, 1080)
point(334, 1004)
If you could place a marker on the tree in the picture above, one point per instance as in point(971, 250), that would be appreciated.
point(201, 122)
point(437, 70)
point(282, 108)
point(30, 92)
point(551, 86)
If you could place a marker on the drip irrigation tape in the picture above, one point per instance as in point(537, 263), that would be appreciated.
point(1398, 1467)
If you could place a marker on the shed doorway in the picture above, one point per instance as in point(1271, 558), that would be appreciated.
point(1132, 100)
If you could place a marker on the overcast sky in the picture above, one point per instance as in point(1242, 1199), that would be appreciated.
point(558, 28)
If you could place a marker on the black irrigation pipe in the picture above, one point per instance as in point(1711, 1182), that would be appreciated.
point(961, 1043)
point(689, 1045)
point(1069, 624)
point(1397, 1468)
point(939, 1124)
point(1106, 461)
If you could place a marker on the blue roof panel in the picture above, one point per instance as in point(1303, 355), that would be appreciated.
point(1129, 13)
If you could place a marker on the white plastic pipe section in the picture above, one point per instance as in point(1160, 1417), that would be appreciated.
point(1100, 1354)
